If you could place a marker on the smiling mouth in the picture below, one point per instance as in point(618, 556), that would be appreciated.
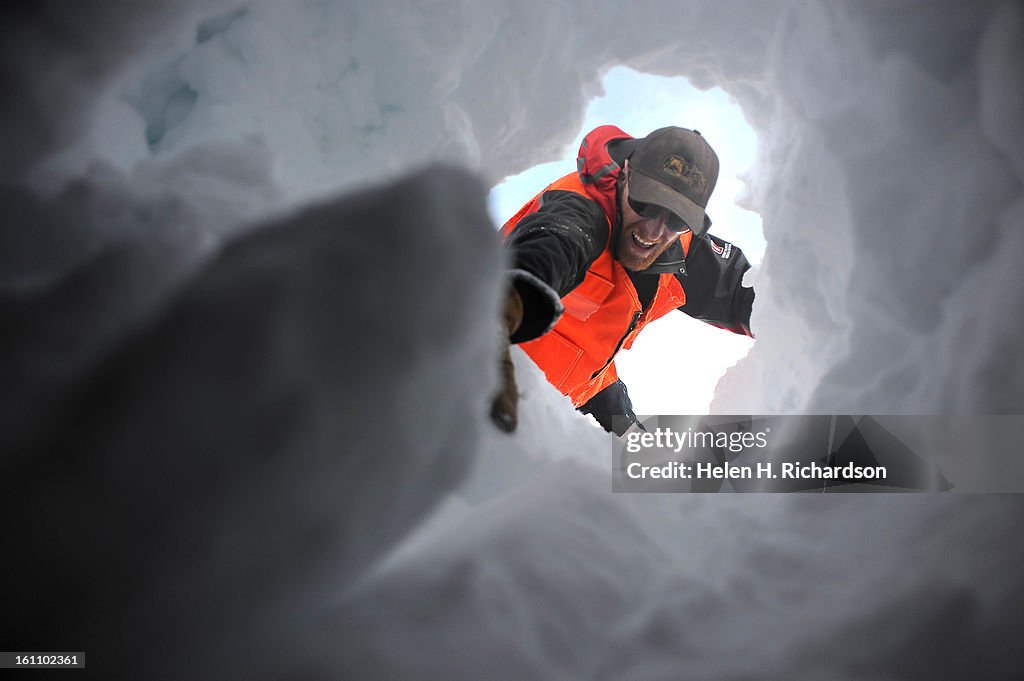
point(646, 245)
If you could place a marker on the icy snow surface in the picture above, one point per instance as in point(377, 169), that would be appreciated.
point(231, 398)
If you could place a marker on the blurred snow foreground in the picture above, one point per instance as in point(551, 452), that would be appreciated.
point(244, 431)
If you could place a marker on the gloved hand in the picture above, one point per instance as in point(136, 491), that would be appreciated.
point(505, 407)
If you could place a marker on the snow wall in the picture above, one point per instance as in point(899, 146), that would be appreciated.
point(141, 137)
point(890, 163)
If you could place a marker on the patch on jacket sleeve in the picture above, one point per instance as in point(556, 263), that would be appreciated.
point(725, 250)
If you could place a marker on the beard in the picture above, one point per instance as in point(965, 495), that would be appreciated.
point(632, 255)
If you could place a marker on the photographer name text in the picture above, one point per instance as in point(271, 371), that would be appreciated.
point(682, 470)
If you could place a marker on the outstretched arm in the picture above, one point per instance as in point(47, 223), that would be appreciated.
point(714, 285)
point(551, 250)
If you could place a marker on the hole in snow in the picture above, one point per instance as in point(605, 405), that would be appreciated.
point(676, 363)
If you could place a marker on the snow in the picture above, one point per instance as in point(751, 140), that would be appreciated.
point(232, 397)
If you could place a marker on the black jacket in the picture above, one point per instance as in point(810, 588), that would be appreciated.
point(559, 242)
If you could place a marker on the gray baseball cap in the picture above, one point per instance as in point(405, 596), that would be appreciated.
point(677, 169)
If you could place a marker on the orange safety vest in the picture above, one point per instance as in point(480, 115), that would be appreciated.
point(603, 313)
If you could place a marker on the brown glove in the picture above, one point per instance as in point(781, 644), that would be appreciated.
point(504, 409)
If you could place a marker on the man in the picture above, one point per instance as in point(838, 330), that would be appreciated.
point(604, 251)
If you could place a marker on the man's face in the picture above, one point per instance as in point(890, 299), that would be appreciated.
point(641, 239)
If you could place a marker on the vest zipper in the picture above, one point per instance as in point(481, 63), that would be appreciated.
point(632, 325)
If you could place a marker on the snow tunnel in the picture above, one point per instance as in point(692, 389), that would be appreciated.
point(238, 459)
point(889, 164)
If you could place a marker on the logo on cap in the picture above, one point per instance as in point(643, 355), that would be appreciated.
point(688, 173)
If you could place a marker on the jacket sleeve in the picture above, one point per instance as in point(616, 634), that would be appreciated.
point(551, 250)
point(713, 284)
point(610, 403)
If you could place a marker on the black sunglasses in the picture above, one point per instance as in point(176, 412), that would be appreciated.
point(651, 210)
